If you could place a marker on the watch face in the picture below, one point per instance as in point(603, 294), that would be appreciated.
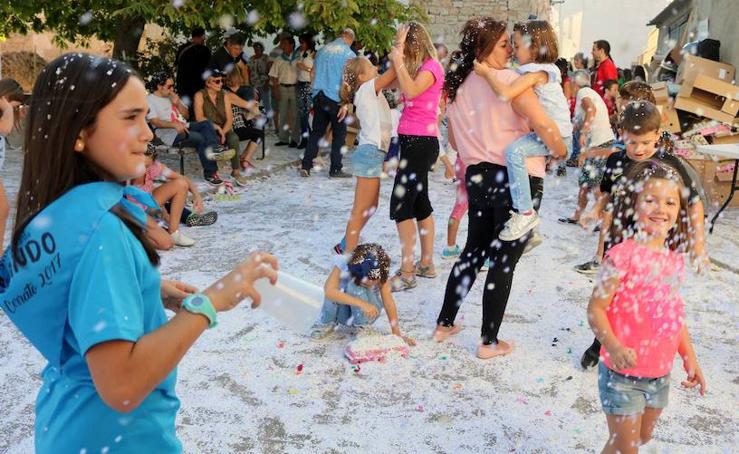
point(197, 301)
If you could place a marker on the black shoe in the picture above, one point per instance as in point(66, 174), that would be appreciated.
point(281, 144)
point(591, 357)
point(214, 180)
point(339, 174)
point(303, 143)
point(588, 268)
point(201, 220)
point(293, 144)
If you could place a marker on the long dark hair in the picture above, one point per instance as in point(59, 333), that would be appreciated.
point(67, 97)
point(479, 37)
point(12, 91)
point(626, 194)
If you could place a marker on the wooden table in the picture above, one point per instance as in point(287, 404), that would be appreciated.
point(725, 151)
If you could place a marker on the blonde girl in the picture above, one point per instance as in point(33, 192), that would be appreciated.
point(363, 87)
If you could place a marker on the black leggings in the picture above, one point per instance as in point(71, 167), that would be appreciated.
point(489, 209)
point(410, 196)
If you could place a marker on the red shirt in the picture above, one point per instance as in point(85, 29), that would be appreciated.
point(606, 71)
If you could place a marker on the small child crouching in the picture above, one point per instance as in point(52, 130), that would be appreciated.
point(357, 291)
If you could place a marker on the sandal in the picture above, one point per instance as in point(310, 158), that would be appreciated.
point(399, 283)
point(428, 271)
point(568, 221)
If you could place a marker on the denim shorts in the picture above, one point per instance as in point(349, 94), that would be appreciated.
point(626, 396)
point(367, 161)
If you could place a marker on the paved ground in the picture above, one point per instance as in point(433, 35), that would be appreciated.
point(239, 387)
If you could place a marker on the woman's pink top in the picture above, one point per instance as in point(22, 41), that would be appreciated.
point(420, 115)
point(647, 312)
point(483, 125)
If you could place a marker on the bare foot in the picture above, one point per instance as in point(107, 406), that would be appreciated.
point(493, 350)
point(442, 333)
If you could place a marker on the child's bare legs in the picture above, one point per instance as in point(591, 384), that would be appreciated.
point(627, 433)
point(452, 229)
point(175, 192)
point(605, 225)
point(160, 238)
point(582, 202)
point(4, 213)
point(246, 157)
point(648, 421)
point(366, 195)
point(426, 230)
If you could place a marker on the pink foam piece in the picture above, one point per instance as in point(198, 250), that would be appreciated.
point(375, 354)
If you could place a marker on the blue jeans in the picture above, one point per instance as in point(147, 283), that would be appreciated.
point(325, 113)
point(334, 313)
point(518, 177)
point(202, 135)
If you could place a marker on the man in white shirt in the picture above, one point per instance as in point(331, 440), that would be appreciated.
point(168, 115)
point(591, 120)
point(284, 75)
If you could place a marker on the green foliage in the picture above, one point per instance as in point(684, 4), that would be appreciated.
point(157, 57)
point(112, 20)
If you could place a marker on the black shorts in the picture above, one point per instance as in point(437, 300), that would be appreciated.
point(250, 133)
point(410, 197)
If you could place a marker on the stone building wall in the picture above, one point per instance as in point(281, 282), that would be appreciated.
point(446, 17)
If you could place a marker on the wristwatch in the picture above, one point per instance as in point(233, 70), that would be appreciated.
point(198, 303)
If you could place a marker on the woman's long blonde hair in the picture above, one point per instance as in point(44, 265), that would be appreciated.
point(418, 48)
point(350, 82)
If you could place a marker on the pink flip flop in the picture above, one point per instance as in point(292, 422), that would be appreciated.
point(442, 335)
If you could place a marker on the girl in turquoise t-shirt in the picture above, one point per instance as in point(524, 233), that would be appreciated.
point(80, 279)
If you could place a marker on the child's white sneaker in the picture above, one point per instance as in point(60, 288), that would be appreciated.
point(180, 239)
point(519, 225)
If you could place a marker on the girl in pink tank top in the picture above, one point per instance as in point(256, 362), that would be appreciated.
point(636, 310)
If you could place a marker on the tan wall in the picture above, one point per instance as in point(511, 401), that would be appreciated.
point(446, 17)
point(44, 46)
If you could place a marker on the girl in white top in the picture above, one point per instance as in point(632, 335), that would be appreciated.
point(363, 87)
point(536, 50)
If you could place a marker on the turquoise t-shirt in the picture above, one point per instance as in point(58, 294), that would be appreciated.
point(90, 282)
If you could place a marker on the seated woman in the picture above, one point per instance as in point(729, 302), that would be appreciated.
point(244, 114)
point(171, 198)
point(211, 103)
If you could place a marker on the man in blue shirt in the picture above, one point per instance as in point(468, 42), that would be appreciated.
point(328, 71)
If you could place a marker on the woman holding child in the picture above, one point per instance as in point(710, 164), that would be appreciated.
point(481, 126)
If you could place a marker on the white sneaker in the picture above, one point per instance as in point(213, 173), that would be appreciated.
point(180, 239)
point(518, 225)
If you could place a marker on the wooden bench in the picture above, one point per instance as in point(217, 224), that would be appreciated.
point(180, 150)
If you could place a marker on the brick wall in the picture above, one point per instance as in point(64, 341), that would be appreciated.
point(446, 17)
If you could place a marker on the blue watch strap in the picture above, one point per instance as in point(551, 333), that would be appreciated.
point(198, 303)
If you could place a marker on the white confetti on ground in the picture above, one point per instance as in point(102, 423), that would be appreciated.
point(239, 387)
